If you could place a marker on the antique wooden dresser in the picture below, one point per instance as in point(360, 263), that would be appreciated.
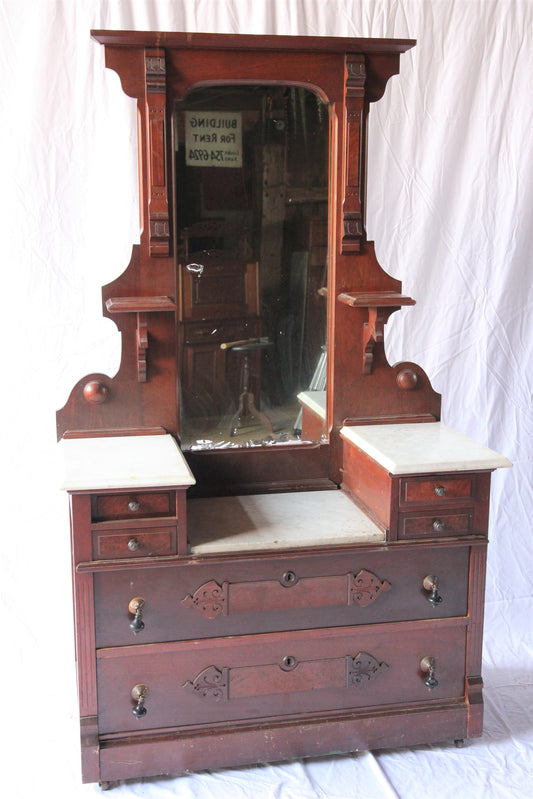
point(278, 549)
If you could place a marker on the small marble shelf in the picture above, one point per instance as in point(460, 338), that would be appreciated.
point(277, 521)
point(427, 447)
point(315, 401)
point(115, 462)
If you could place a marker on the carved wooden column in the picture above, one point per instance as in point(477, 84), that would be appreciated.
point(159, 230)
point(352, 214)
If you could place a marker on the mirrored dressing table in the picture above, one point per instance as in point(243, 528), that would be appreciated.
point(313, 581)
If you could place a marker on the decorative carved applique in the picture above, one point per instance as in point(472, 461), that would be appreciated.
point(365, 587)
point(362, 668)
point(211, 683)
point(210, 599)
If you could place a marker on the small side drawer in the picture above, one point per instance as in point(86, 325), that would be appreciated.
point(134, 543)
point(424, 525)
point(111, 507)
point(439, 489)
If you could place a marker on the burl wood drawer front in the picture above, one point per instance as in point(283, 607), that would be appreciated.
point(241, 596)
point(134, 542)
point(261, 676)
point(135, 505)
point(441, 523)
point(438, 489)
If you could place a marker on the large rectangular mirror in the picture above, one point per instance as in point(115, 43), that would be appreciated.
point(251, 210)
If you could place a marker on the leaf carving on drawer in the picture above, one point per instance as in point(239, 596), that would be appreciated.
point(211, 683)
point(365, 587)
point(362, 668)
point(210, 599)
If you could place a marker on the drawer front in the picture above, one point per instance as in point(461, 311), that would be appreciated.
point(439, 489)
point(241, 596)
point(134, 543)
point(110, 507)
point(284, 674)
point(421, 525)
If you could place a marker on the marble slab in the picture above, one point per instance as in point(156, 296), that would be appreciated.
point(277, 521)
point(89, 464)
point(315, 401)
point(424, 447)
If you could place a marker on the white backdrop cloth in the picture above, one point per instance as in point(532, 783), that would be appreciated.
point(450, 209)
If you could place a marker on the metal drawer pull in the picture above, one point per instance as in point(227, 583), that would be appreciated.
point(133, 544)
point(440, 491)
point(139, 694)
point(134, 506)
point(439, 526)
point(430, 584)
point(427, 665)
point(136, 607)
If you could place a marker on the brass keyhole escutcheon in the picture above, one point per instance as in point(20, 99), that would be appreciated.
point(288, 578)
point(288, 663)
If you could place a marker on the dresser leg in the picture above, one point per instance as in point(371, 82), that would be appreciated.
point(106, 785)
point(459, 743)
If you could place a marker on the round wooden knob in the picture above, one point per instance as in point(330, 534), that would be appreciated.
point(407, 379)
point(95, 392)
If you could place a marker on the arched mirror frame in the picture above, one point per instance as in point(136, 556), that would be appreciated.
point(157, 69)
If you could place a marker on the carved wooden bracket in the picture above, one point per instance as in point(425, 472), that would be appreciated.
point(362, 668)
point(210, 599)
point(365, 587)
point(380, 305)
point(142, 346)
point(142, 306)
point(212, 683)
point(352, 213)
point(158, 220)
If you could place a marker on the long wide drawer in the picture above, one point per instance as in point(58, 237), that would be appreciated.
point(278, 675)
point(213, 598)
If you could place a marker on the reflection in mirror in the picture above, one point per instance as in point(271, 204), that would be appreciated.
point(251, 176)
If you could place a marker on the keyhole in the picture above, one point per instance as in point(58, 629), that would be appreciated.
point(289, 578)
point(288, 663)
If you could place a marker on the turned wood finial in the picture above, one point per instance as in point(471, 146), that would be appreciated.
point(95, 392)
point(407, 379)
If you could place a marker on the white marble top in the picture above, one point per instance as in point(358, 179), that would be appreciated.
point(315, 401)
point(277, 521)
point(424, 447)
point(122, 462)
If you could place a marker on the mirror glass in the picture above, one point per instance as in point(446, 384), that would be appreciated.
point(251, 215)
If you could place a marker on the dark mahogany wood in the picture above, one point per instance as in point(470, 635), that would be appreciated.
point(244, 657)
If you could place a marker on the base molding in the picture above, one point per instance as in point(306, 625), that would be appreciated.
point(179, 751)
